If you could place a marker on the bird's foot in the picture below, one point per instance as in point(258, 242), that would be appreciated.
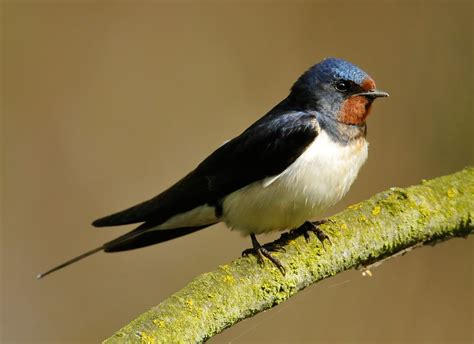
point(309, 226)
point(274, 247)
point(263, 252)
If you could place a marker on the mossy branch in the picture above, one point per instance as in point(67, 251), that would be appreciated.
point(393, 221)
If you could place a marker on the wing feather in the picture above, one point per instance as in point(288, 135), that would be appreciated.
point(265, 149)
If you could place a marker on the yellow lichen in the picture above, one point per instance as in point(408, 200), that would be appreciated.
point(146, 338)
point(452, 192)
point(229, 279)
point(376, 210)
point(159, 323)
point(343, 226)
point(354, 206)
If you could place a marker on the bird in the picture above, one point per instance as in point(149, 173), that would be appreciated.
point(284, 170)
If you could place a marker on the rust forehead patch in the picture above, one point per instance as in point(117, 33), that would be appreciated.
point(368, 84)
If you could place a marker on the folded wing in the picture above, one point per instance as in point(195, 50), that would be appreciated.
point(265, 149)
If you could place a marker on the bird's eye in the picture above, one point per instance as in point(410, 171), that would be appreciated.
point(342, 86)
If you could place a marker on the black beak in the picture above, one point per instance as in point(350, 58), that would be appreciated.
point(373, 94)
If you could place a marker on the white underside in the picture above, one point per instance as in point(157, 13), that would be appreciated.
point(318, 179)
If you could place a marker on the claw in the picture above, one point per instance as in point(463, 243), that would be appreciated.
point(264, 252)
point(272, 247)
point(323, 221)
point(314, 227)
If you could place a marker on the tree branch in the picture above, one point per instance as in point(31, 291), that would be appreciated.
point(387, 224)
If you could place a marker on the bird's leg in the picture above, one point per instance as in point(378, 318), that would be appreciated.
point(309, 226)
point(263, 252)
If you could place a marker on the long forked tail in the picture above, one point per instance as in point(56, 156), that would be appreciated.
point(139, 237)
point(71, 261)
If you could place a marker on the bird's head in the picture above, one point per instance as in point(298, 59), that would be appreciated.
point(338, 89)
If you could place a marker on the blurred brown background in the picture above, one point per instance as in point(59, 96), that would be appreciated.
point(107, 103)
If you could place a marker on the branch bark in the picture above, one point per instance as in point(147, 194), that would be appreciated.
point(366, 233)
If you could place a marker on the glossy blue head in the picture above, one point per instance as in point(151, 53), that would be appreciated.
point(337, 89)
point(337, 69)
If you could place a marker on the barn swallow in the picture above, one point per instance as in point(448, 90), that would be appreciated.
point(284, 170)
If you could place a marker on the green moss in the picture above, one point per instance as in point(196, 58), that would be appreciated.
point(364, 233)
